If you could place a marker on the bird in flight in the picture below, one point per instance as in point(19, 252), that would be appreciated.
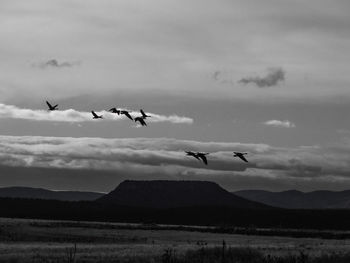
point(126, 113)
point(240, 155)
point(95, 116)
point(51, 108)
point(141, 120)
point(199, 156)
point(144, 115)
point(114, 110)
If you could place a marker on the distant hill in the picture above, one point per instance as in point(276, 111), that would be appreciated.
point(39, 193)
point(295, 199)
point(180, 203)
point(172, 194)
point(225, 219)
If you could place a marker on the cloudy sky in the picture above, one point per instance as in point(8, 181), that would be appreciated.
point(267, 77)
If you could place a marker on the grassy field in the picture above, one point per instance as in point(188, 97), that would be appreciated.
point(29, 240)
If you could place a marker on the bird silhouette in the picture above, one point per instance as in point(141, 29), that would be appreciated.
point(126, 113)
point(144, 115)
point(95, 116)
point(240, 155)
point(141, 120)
point(114, 110)
point(203, 157)
point(51, 108)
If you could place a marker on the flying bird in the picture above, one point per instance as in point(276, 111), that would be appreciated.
point(126, 113)
point(141, 120)
point(203, 157)
point(51, 108)
point(95, 116)
point(144, 115)
point(240, 155)
point(114, 110)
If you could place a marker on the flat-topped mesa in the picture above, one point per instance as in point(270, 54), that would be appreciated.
point(170, 194)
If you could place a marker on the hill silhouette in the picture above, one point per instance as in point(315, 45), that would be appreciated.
point(178, 203)
point(39, 193)
point(172, 194)
point(293, 199)
point(223, 217)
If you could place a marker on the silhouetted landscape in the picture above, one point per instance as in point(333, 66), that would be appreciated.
point(174, 221)
point(179, 203)
point(193, 193)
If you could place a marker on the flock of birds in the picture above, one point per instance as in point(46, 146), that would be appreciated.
point(201, 156)
point(140, 119)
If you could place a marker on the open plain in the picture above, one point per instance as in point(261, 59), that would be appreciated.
point(31, 240)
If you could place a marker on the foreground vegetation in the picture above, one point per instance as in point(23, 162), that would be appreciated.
point(201, 255)
point(247, 255)
point(45, 241)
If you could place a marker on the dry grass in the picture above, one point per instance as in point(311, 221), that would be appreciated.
point(53, 241)
point(170, 255)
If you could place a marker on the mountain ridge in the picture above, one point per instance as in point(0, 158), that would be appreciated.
point(294, 199)
point(45, 194)
point(290, 199)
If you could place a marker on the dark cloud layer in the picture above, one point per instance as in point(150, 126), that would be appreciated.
point(165, 158)
point(274, 76)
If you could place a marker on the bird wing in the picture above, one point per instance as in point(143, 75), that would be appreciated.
point(128, 115)
point(113, 110)
point(94, 114)
point(242, 157)
point(204, 158)
point(195, 156)
point(48, 104)
point(143, 113)
point(143, 123)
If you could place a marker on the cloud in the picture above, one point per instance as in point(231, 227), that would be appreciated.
point(223, 77)
point(216, 75)
point(269, 33)
point(343, 131)
point(278, 123)
point(71, 115)
point(274, 76)
point(149, 155)
point(53, 63)
point(164, 158)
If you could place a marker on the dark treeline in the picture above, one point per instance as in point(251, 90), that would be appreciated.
point(208, 216)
